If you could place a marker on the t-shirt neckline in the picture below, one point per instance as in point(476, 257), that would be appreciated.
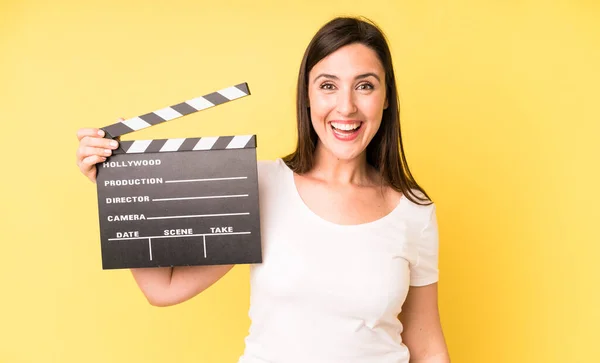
point(298, 199)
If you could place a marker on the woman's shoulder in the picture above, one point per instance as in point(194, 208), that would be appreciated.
point(271, 167)
point(272, 172)
point(420, 207)
point(273, 180)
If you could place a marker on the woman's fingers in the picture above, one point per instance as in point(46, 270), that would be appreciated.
point(91, 161)
point(91, 132)
point(99, 142)
point(91, 143)
point(89, 146)
point(93, 149)
point(86, 151)
point(88, 166)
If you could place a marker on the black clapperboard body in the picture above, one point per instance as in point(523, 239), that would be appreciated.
point(179, 202)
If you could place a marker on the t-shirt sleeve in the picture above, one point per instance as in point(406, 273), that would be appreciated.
point(268, 173)
point(425, 271)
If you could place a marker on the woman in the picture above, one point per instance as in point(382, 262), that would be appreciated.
point(350, 240)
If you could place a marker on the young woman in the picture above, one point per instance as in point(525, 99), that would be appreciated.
point(350, 240)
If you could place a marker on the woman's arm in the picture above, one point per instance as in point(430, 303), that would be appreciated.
point(166, 286)
point(422, 332)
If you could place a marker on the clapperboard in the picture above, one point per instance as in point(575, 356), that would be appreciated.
point(179, 202)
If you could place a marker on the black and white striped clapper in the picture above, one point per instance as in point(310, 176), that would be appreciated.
point(179, 202)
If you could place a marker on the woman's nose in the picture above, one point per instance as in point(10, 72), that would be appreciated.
point(345, 103)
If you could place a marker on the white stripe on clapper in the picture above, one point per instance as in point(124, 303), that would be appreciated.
point(168, 113)
point(232, 93)
point(139, 146)
point(203, 180)
point(136, 123)
point(182, 236)
point(199, 103)
point(172, 145)
point(207, 197)
point(239, 142)
point(205, 143)
point(201, 216)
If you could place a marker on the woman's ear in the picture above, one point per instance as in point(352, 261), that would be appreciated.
point(385, 105)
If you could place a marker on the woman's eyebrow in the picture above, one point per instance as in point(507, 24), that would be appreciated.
point(360, 76)
point(366, 75)
point(325, 75)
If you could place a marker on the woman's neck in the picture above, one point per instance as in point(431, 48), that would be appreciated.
point(331, 169)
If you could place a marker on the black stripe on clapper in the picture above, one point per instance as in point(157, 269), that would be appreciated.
point(152, 118)
point(184, 108)
point(116, 130)
point(243, 87)
point(251, 143)
point(188, 144)
point(222, 142)
point(216, 98)
point(123, 147)
point(155, 146)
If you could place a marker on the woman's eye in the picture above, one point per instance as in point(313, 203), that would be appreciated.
point(327, 86)
point(365, 86)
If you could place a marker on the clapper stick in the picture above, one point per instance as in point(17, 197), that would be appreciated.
point(176, 111)
point(187, 144)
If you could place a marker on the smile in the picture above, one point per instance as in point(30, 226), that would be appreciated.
point(345, 130)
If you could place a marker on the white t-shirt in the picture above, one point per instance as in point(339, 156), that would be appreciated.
point(329, 293)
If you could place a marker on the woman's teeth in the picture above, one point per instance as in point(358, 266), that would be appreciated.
point(346, 127)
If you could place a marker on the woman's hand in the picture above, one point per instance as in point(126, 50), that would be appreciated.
point(93, 148)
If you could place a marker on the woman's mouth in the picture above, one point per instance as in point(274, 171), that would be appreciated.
point(345, 130)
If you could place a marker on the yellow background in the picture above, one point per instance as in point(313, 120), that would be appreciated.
point(501, 123)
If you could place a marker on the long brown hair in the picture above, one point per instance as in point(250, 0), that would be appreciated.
point(385, 151)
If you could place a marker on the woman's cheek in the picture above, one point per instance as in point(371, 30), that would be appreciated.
point(318, 122)
point(373, 107)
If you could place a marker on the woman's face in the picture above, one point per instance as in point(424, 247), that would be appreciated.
point(347, 96)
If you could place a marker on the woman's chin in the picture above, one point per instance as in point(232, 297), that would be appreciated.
point(346, 153)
